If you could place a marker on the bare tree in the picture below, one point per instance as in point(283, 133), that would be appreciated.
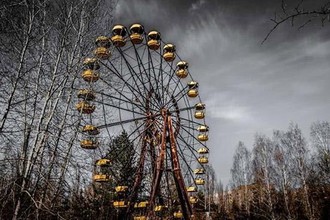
point(292, 160)
point(320, 170)
point(241, 176)
point(283, 172)
point(263, 176)
point(42, 46)
point(320, 135)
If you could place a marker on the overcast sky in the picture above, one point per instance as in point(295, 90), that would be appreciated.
point(248, 88)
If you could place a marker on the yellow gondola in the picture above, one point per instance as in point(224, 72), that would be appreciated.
point(169, 52)
point(91, 129)
point(199, 111)
point(85, 108)
point(89, 144)
point(102, 53)
point(142, 204)
point(192, 93)
point(90, 75)
point(121, 188)
point(203, 150)
point(193, 89)
point(101, 178)
point(199, 106)
point(91, 63)
point(192, 189)
point(193, 85)
point(199, 181)
point(103, 41)
point(182, 64)
point(86, 94)
point(193, 200)
point(202, 137)
point(137, 31)
point(103, 162)
point(178, 214)
point(182, 71)
point(159, 208)
point(120, 204)
point(140, 218)
point(119, 32)
point(199, 114)
point(154, 40)
point(199, 171)
point(203, 128)
point(203, 160)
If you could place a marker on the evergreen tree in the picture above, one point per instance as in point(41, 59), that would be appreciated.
point(123, 160)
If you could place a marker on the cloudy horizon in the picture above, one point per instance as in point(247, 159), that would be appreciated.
point(248, 87)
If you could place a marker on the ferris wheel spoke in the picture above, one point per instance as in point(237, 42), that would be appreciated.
point(133, 72)
point(138, 76)
point(191, 149)
point(137, 129)
point(120, 108)
point(177, 85)
point(125, 121)
point(177, 98)
point(104, 116)
point(126, 100)
point(160, 72)
point(158, 77)
point(170, 76)
point(152, 67)
point(129, 86)
point(184, 109)
point(144, 51)
point(192, 121)
point(142, 69)
point(183, 157)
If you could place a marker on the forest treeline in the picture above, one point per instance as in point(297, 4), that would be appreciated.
point(285, 176)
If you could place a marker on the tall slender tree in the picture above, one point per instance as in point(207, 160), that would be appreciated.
point(41, 49)
point(262, 164)
point(241, 177)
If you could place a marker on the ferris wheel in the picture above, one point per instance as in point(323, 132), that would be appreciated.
point(138, 84)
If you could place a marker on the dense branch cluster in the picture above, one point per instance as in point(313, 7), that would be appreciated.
point(42, 44)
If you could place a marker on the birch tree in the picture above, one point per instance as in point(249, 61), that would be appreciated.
point(320, 137)
point(283, 173)
point(320, 173)
point(291, 158)
point(42, 47)
point(263, 175)
point(241, 175)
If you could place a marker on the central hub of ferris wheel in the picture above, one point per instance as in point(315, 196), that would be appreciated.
point(134, 83)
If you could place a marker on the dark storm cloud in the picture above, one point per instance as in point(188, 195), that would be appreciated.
point(247, 87)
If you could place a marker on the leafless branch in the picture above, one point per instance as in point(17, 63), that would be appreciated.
point(322, 13)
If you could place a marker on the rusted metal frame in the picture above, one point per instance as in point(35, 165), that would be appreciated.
point(159, 167)
point(178, 178)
